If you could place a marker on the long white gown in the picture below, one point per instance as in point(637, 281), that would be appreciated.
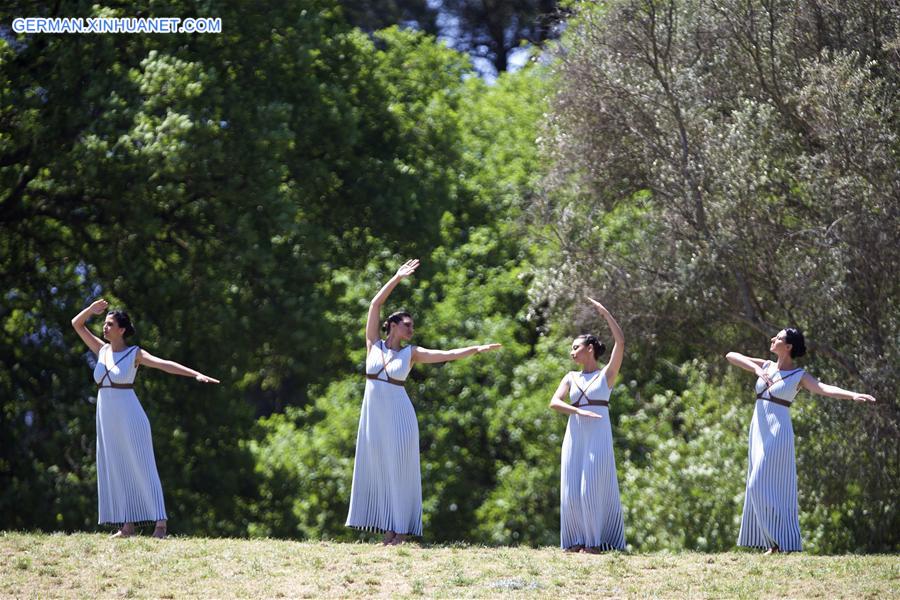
point(387, 480)
point(771, 511)
point(590, 508)
point(128, 487)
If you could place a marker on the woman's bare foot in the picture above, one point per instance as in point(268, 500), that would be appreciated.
point(590, 550)
point(399, 538)
point(159, 532)
point(577, 548)
point(388, 538)
point(771, 551)
point(127, 530)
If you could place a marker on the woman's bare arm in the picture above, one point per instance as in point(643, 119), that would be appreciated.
point(79, 324)
point(426, 355)
point(170, 366)
point(373, 319)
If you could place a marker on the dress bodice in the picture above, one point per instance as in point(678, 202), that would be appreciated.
point(388, 364)
point(584, 387)
point(121, 365)
point(782, 385)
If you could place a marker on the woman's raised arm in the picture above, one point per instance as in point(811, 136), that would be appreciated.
point(618, 350)
point(79, 324)
point(373, 320)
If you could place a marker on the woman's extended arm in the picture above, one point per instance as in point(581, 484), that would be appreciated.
point(169, 366)
point(79, 324)
point(425, 355)
point(373, 320)
point(811, 384)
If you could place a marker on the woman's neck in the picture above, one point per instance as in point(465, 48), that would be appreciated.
point(393, 343)
point(118, 345)
point(589, 367)
point(785, 363)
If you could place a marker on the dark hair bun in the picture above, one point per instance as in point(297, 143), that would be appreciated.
point(794, 337)
point(591, 340)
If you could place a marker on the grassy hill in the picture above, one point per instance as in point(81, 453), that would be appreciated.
point(93, 566)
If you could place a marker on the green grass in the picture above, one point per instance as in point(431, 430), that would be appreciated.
point(94, 566)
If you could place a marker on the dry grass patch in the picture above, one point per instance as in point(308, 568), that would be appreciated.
point(93, 566)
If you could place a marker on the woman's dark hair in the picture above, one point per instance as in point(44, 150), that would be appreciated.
point(123, 321)
point(794, 337)
point(394, 318)
point(592, 341)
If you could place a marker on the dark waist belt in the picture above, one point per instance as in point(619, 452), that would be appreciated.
point(388, 380)
point(593, 403)
point(118, 386)
point(775, 400)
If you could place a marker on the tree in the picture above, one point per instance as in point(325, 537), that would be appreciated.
point(731, 168)
point(492, 29)
point(371, 16)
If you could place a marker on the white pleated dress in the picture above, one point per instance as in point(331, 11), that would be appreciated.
point(771, 512)
point(128, 486)
point(590, 508)
point(387, 480)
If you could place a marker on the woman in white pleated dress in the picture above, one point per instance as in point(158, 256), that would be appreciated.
point(590, 509)
point(771, 517)
point(386, 495)
point(128, 486)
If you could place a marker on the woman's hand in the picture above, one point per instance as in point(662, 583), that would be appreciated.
point(486, 348)
point(761, 373)
point(98, 306)
point(407, 268)
point(863, 398)
point(204, 379)
point(597, 305)
point(586, 413)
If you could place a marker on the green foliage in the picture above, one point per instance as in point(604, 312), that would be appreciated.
point(303, 458)
point(684, 462)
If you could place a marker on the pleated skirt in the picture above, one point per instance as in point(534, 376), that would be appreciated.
point(771, 511)
point(387, 480)
point(590, 507)
point(128, 487)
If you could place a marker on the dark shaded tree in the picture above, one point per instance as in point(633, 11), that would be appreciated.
point(372, 15)
point(492, 29)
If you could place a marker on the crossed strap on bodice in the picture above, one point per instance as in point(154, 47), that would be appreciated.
point(775, 399)
point(110, 384)
point(383, 369)
point(583, 394)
